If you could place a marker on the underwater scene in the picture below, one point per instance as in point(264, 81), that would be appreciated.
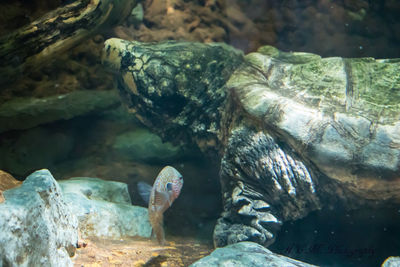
point(200, 133)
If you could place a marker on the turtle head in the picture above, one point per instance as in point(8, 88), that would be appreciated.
point(173, 86)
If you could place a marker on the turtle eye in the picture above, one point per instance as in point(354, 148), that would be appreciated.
point(168, 186)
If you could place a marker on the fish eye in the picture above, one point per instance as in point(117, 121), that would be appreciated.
point(168, 186)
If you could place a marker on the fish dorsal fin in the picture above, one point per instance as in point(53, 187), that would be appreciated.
point(144, 191)
point(161, 200)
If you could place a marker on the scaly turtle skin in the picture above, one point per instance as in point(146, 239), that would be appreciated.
point(293, 131)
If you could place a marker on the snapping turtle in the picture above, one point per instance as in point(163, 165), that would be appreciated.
point(293, 132)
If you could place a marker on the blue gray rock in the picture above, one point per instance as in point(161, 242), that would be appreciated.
point(391, 262)
point(37, 227)
point(247, 254)
point(104, 208)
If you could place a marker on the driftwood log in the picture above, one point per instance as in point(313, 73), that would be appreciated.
point(56, 32)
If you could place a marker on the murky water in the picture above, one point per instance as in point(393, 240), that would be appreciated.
point(363, 237)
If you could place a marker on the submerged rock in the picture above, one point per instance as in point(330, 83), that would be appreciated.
point(104, 208)
point(247, 254)
point(142, 145)
point(391, 262)
point(37, 227)
point(97, 189)
point(25, 113)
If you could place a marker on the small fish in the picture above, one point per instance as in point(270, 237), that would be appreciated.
point(160, 196)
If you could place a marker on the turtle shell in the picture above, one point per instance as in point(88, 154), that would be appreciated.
point(341, 114)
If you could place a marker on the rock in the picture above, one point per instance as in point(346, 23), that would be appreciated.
point(37, 227)
point(358, 16)
point(182, 20)
point(97, 189)
point(391, 262)
point(142, 145)
point(294, 132)
point(7, 182)
point(25, 113)
point(104, 208)
point(136, 16)
point(247, 254)
point(120, 115)
point(22, 156)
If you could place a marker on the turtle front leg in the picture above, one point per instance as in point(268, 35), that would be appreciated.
point(263, 184)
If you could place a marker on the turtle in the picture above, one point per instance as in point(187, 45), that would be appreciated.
point(293, 132)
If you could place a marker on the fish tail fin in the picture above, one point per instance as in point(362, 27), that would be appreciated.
point(144, 191)
point(157, 224)
point(160, 235)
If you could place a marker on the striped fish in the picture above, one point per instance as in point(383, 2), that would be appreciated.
point(160, 196)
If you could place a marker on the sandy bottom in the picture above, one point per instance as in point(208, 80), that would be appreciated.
point(137, 252)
